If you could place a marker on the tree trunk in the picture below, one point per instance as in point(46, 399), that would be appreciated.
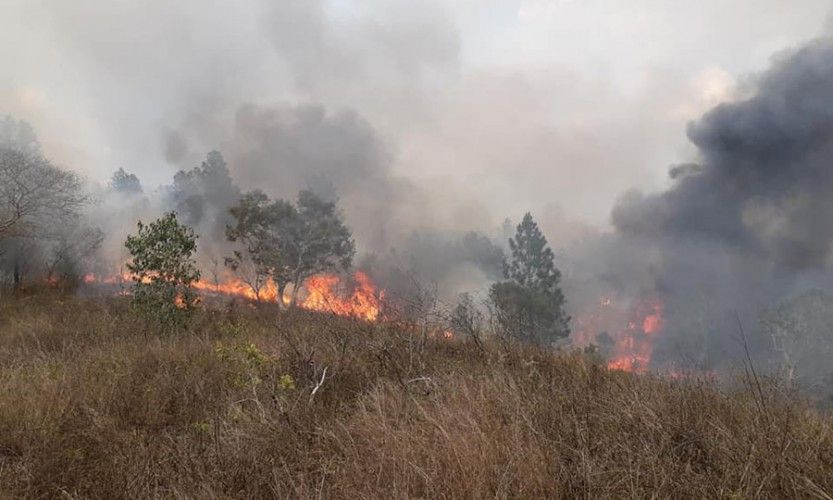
point(296, 286)
point(281, 289)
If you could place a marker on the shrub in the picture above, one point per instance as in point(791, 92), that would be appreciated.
point(163, 270)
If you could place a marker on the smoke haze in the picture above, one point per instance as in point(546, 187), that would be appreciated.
point(428, 120)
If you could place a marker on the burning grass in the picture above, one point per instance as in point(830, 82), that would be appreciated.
point(255, 402)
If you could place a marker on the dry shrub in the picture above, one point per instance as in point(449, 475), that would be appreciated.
point(263, 403)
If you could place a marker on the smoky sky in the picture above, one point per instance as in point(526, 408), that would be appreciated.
point(476, 110)
point(764, 182)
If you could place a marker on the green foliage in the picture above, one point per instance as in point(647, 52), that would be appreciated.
point(529, 304)
point(532, 265)
point(163, 270)
point(287, 242)
point(286, 382)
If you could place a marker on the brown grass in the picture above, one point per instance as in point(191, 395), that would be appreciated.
point(93, 405)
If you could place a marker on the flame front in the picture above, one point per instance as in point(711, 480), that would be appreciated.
point(625, 330)
point(634, 347)
point(324, 294)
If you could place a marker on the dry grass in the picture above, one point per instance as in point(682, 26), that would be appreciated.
point(92, 405)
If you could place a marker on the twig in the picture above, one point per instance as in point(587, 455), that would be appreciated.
point(318, 385)
point(755, 378)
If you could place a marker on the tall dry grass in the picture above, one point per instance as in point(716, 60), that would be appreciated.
point(94, 405)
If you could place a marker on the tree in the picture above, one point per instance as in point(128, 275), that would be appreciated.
point(163, 270)
point(33, 191)
point(267, 231)
point(482, 252)
point(323, 243)
point(19, 136)
point(529, 303)
point(466, 319)
point(125, 183)
point(287, 242)
point(205, 192)
point(69, 251)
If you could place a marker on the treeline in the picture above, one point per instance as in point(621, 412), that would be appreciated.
point(45, 234)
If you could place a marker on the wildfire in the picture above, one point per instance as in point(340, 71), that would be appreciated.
point(235, 287)
point(624, 330)
point(634, 347)
point(324, 294)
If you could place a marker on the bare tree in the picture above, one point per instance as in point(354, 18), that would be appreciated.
point(70, 249)
point(250, 272)
point(33, 190)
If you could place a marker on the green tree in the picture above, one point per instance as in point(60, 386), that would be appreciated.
point(323, 243)
point(529, 303)
point(287, 242)
point(163, 270)
point(266, 230)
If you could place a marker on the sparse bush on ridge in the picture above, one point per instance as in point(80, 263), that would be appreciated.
point(258, 402)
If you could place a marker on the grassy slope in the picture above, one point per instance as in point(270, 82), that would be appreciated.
point(93, 405)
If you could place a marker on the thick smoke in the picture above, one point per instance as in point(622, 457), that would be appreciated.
point(339, 155)
point(748, 224)
point(764, 182)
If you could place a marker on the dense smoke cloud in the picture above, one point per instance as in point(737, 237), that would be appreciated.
point(744, 227)
point(338, 155)
point(763, 185)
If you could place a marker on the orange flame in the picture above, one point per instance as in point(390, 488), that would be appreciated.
point(235, 287)
point(324, 294)
point(634, 347)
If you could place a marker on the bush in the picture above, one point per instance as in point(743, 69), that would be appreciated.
point(163, 270)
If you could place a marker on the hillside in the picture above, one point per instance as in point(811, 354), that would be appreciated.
point(257, 403)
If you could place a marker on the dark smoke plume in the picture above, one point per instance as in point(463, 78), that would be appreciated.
point(748, 225)
point(764, 181)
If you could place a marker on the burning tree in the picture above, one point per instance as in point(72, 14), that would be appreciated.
point(163, 269)
point(529, 304)
point(289, 243)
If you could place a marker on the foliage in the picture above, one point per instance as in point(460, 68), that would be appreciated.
point(287, 242)
point(532, 264)
point(69, 250)
point(480, 250)
point(34, 192)
point(125, 183)
point(529, 304)
point(40, 204)
point(163, 270)
point(19, 135)
point(204, 193)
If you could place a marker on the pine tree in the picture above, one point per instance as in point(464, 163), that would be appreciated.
point(529, 304)
point(532, 264)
